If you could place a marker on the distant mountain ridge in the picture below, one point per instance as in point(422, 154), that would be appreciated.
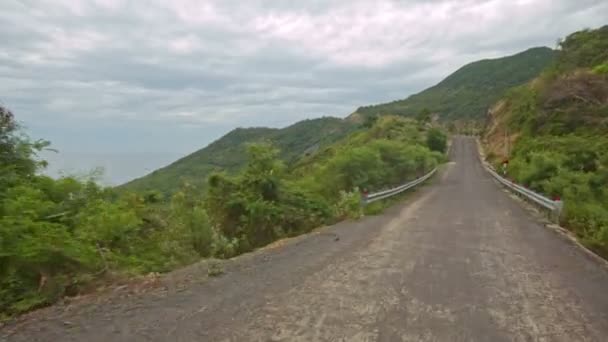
point(228, 152)
point(471, 90)
point(465, 94)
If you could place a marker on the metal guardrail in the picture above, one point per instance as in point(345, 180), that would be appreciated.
point(554, 206)
point(394, 191)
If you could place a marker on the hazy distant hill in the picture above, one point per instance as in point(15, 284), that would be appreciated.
point(228, 152)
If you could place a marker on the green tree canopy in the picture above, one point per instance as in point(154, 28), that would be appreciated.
point(436, 140)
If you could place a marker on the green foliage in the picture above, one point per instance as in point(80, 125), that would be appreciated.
point(436, 140)
point(267, 201)
point(357, 167)
point(569, 167)
point(583, 49)
point(601, 69)
point(189, 226)
point(62, 236)
point(561, 121)
point(348, 205)
point(17, 152)
point(57, 236)
point(229, 153)
point(392, 152)
point(54, 243)
point(472, 89)
point(112, 226)
point(258, 206)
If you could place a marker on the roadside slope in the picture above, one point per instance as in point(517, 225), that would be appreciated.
point(554, 133)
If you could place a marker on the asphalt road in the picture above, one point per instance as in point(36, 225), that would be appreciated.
point(460, 260)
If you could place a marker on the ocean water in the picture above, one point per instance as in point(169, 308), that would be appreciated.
point(114, 168)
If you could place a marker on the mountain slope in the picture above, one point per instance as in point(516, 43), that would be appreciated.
point(468, 92)
point(554, 132)
point(229, 152)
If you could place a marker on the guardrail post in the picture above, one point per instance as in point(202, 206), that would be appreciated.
point(364, 195)
point(557, 213)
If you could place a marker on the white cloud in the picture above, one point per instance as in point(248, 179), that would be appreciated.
point(184, 45)
point(197, 13)
point(68, 65)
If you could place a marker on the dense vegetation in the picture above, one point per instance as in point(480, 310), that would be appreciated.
point(229, 153)
point(472, 89)
point(65, 236)
point(559, 123)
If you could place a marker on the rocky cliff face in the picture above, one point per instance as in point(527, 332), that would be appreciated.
point(498, 139)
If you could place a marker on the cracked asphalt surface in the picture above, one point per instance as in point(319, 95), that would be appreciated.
point(459, 260)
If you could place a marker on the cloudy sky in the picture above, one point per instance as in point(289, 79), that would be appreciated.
point(132, 85)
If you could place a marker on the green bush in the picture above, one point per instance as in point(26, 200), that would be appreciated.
point(190, 222)
point(358, 167)
point(258, 206)
point(436, 140)
point(601, 69)
point(348, 205)
point(573, 169)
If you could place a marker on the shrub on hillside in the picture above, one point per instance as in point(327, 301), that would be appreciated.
point(348, 205)
point(436, 140)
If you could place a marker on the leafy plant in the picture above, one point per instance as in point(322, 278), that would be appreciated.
point(436, 140)
point(348, 205)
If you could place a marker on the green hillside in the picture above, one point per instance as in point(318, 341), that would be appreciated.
point(465, 94)
point(557, 129)
point(468, 92)
point(229, 152)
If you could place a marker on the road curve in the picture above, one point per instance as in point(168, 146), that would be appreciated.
point(458, 261)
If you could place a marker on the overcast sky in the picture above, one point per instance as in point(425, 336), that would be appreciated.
point(132, 85)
